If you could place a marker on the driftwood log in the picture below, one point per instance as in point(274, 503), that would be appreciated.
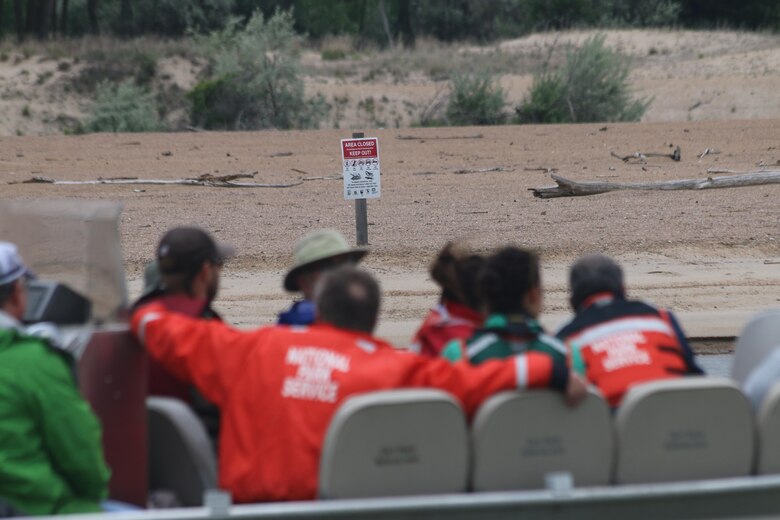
point(569, 188)
point(207, 179)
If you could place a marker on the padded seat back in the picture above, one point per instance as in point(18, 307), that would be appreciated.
point(396, 442)
point(181, 459)
point(684, 429)
point(768, 426)
point(518, 438)
point(756, 341)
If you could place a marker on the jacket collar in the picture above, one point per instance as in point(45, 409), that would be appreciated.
point(601, 298)
point(9, 322)
point(449, 308)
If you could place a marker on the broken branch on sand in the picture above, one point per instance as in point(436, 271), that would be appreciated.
point(569, 188)
point(484, 170)
point(207, 179)
point(431, 138)
point(708, 151)
point(641, 157)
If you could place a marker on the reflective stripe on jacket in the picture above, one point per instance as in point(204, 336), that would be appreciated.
point(279, 386)
point(616, 343)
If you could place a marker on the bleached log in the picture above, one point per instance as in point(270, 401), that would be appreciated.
point(569, 188)
point(223, 181)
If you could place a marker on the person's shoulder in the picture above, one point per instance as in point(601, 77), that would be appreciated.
point(36, 353)
point(550, 344)
point(486, 345)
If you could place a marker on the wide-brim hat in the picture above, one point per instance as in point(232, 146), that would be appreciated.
point(316, 248)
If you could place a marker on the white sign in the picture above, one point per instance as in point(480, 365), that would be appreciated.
point(361, 168)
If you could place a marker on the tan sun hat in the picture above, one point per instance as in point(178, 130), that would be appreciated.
point(316, 247)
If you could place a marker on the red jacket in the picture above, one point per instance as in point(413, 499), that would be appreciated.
point(617, 343)
point(278, 387)
point(445, 322)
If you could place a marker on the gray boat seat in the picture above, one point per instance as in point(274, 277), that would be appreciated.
point(520, 437)
point(394, 443)
point(768, 419)
point(684, 429)
point(756, 341)
point(181, 459)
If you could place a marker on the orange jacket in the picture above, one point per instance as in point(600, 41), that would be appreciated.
point(278, 388)
point(617, 343)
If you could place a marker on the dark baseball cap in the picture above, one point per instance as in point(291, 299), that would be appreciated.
point(184, 249)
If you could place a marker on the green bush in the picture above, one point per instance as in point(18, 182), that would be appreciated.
point(123, 108)
point(116, 65)
point(591, 86)
point(476, 100)
point(542, 105)
point(254, 79)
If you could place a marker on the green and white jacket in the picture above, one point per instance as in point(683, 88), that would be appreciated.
point(502, 336)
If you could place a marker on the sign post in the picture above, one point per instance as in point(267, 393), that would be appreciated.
point(360, 159)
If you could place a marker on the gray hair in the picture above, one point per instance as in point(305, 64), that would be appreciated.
point(348, 298)
point(592, 274)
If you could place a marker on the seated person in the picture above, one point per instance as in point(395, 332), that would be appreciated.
point(510, 287)
point(278, 387)
point(51, 455)
point(458, 313)
point(315, 254)
point(616, 342)
point(185, 278)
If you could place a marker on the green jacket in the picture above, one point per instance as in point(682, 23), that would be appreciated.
point(502, 336)
point(51, 455)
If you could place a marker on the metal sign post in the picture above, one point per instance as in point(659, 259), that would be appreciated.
point(360, 158)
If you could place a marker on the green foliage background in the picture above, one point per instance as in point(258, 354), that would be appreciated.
point(446, 20)
point(592, 86)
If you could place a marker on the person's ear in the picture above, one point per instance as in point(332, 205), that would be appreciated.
point(533, 300)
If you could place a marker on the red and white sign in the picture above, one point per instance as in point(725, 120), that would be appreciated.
point(360, 158)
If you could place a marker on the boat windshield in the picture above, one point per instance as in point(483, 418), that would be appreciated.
point(74, 242)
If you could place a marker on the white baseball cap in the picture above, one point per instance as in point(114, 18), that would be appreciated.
point(11, 265)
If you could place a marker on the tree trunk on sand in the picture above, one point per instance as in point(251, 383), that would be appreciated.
point(404, 23)
point(126, 18)
point(19, 19)
point(569, 188)
point(64, 18)
point(385, 23)
point(44, 18)
point(92, 8)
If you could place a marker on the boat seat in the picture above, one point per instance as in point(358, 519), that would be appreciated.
point(756, 341)
point(393, 443)
point(768, 419)
point(181, 459)
point(520, 437)
point(684, 429)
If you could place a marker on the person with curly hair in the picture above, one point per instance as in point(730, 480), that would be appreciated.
point(510, 287)
point(458, 313)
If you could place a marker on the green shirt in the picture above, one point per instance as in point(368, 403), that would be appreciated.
point(502, 336)
point(51, 455)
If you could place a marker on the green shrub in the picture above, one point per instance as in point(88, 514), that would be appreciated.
point(117, 65)
point(254, 79)
point(332, 54)
point(476, 100)
point(123, 108)
point(591, 86)
point(174, 17)
point(542, 105)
